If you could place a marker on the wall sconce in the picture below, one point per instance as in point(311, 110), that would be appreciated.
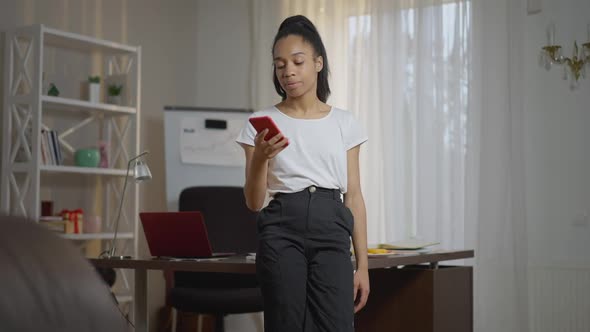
point(574, 67)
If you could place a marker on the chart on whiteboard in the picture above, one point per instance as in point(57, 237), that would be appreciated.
point(211, 146)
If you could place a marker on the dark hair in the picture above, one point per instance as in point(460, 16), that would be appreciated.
point(301, 26)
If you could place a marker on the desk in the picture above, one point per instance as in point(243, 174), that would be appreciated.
point(418, 298)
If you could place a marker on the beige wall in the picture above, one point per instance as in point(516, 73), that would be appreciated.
point(194, 53)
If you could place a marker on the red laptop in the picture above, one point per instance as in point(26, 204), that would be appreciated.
point(177, 234)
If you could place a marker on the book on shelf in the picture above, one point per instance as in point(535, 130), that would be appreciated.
point(50, 148)
point(53, 223)
point(44, 156)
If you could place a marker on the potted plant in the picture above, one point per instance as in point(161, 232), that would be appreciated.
point(94, 89)
point(114, 94)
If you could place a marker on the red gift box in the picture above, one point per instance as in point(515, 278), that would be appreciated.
point(74, 220)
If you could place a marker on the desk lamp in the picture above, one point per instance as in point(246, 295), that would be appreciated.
point(141, 173)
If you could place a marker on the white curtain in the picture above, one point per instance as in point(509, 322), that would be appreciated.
point(498, 223)
point(441, 106)
point(403, 68)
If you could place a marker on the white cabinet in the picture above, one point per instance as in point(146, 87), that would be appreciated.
point(34, 56)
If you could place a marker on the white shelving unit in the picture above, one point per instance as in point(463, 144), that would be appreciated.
point(64, 104)
point(27, 110)
point(85, 170)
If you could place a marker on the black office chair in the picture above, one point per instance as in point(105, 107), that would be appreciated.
point(232, 228)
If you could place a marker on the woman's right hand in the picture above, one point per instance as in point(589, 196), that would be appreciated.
point(269, 149)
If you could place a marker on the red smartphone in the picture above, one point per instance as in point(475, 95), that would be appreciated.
point(266, 122)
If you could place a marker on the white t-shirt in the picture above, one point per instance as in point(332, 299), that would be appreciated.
point(316, 154)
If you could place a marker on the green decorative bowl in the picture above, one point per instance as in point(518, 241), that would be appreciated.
point(87, 157)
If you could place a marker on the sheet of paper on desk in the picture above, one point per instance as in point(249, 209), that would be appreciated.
point(200, 144)
point(408, 244)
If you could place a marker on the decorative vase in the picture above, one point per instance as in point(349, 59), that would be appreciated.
point(115, 100)
point(104, 154)
point(53, 91)
point(94, 92)
point(92, 224)
point(87, 157)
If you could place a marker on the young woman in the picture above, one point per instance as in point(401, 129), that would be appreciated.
point(303, 261)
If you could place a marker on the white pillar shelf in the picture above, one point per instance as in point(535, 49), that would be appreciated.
point(26, 176)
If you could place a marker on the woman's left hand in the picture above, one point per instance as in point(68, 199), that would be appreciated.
point(361, 289)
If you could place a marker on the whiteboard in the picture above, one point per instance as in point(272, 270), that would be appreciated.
point(206, 145)
point(200, 148)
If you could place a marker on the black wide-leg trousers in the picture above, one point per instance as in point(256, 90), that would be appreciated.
point(303, 262)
